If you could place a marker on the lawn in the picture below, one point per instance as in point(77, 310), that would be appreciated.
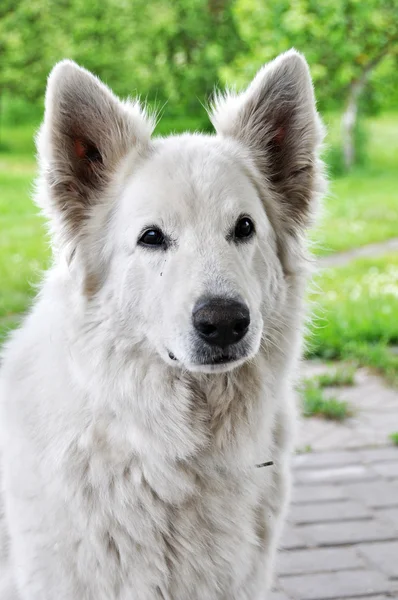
point(356, 313)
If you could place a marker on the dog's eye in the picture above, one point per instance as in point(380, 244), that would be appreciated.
point(152, 237)
point(244, 228)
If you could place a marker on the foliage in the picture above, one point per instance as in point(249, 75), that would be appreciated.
point(29, 34)
point(345, 41)
point(394, 438)
point(168, 52)
point(176, 52)
point(341, 38)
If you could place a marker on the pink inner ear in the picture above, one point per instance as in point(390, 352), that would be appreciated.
point(80, 148)
point(280, 135)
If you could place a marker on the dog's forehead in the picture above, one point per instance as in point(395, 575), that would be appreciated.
point(192, 171)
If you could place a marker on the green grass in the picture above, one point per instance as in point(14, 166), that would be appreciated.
point(394, 438)
point(307, 449)
point(361, 208)
point(338, 377)
point(23, 246)
point(17, 141)
point(355, 314)
point(315, 403)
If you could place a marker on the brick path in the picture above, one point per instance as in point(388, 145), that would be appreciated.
point(369, 250)
point(341, 539)
point(375, 407)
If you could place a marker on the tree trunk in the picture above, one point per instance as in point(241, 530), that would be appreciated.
point(349, 120)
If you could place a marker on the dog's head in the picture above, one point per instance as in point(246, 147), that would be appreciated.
point(182, 245)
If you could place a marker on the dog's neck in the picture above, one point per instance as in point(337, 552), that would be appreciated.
point(179, 414)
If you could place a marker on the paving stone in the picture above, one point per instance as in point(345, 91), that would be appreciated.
point(343, 584)
point(311, 431)
point(335, 475)
point(296, 562)
point(277, 596)
point(388, 454)
point(383, 597)
point(384, 556)
point(291, 539)
point(347, 532)
point(371, 250)
point(389, 470)
point(382, 421)
point(339, 437)
point(328, 511)
point(389, 515)
point(325, 459)
point(370, 394)
point(379, 494)
point(312, 368)
point(345, 501)
point(317, 493)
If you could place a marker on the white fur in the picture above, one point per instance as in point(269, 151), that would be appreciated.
point(128, 475)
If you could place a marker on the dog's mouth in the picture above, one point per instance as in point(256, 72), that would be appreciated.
point(221, 360)
point(217, 360)
point(210, 364)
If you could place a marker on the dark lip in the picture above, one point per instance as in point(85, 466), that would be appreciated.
point(217, 360)
point(220, 360)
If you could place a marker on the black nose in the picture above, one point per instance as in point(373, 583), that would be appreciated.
point(220, 321)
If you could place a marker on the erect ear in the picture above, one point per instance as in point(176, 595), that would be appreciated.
point(276, 118)
point(87, 131)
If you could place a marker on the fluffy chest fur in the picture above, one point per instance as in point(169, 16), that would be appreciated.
point(200, 526)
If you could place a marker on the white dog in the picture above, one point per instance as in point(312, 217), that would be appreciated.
point(154, 373)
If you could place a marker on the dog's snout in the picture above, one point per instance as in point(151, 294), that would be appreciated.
point(220, 321)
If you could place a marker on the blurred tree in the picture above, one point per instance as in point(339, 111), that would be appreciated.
point(177, 51)
point(169, 51)
point(179, 48)
point(100, 36)
point(343, 40)
point(27, 33)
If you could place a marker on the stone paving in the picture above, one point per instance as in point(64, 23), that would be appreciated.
point(340, 259)
point(341, 538)
point(375, 414)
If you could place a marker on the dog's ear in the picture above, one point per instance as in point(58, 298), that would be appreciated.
point(276, 118)
point(86, 132)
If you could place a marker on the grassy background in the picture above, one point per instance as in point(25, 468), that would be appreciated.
point(355, 310)
point(355, 307)
point(362, 207)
